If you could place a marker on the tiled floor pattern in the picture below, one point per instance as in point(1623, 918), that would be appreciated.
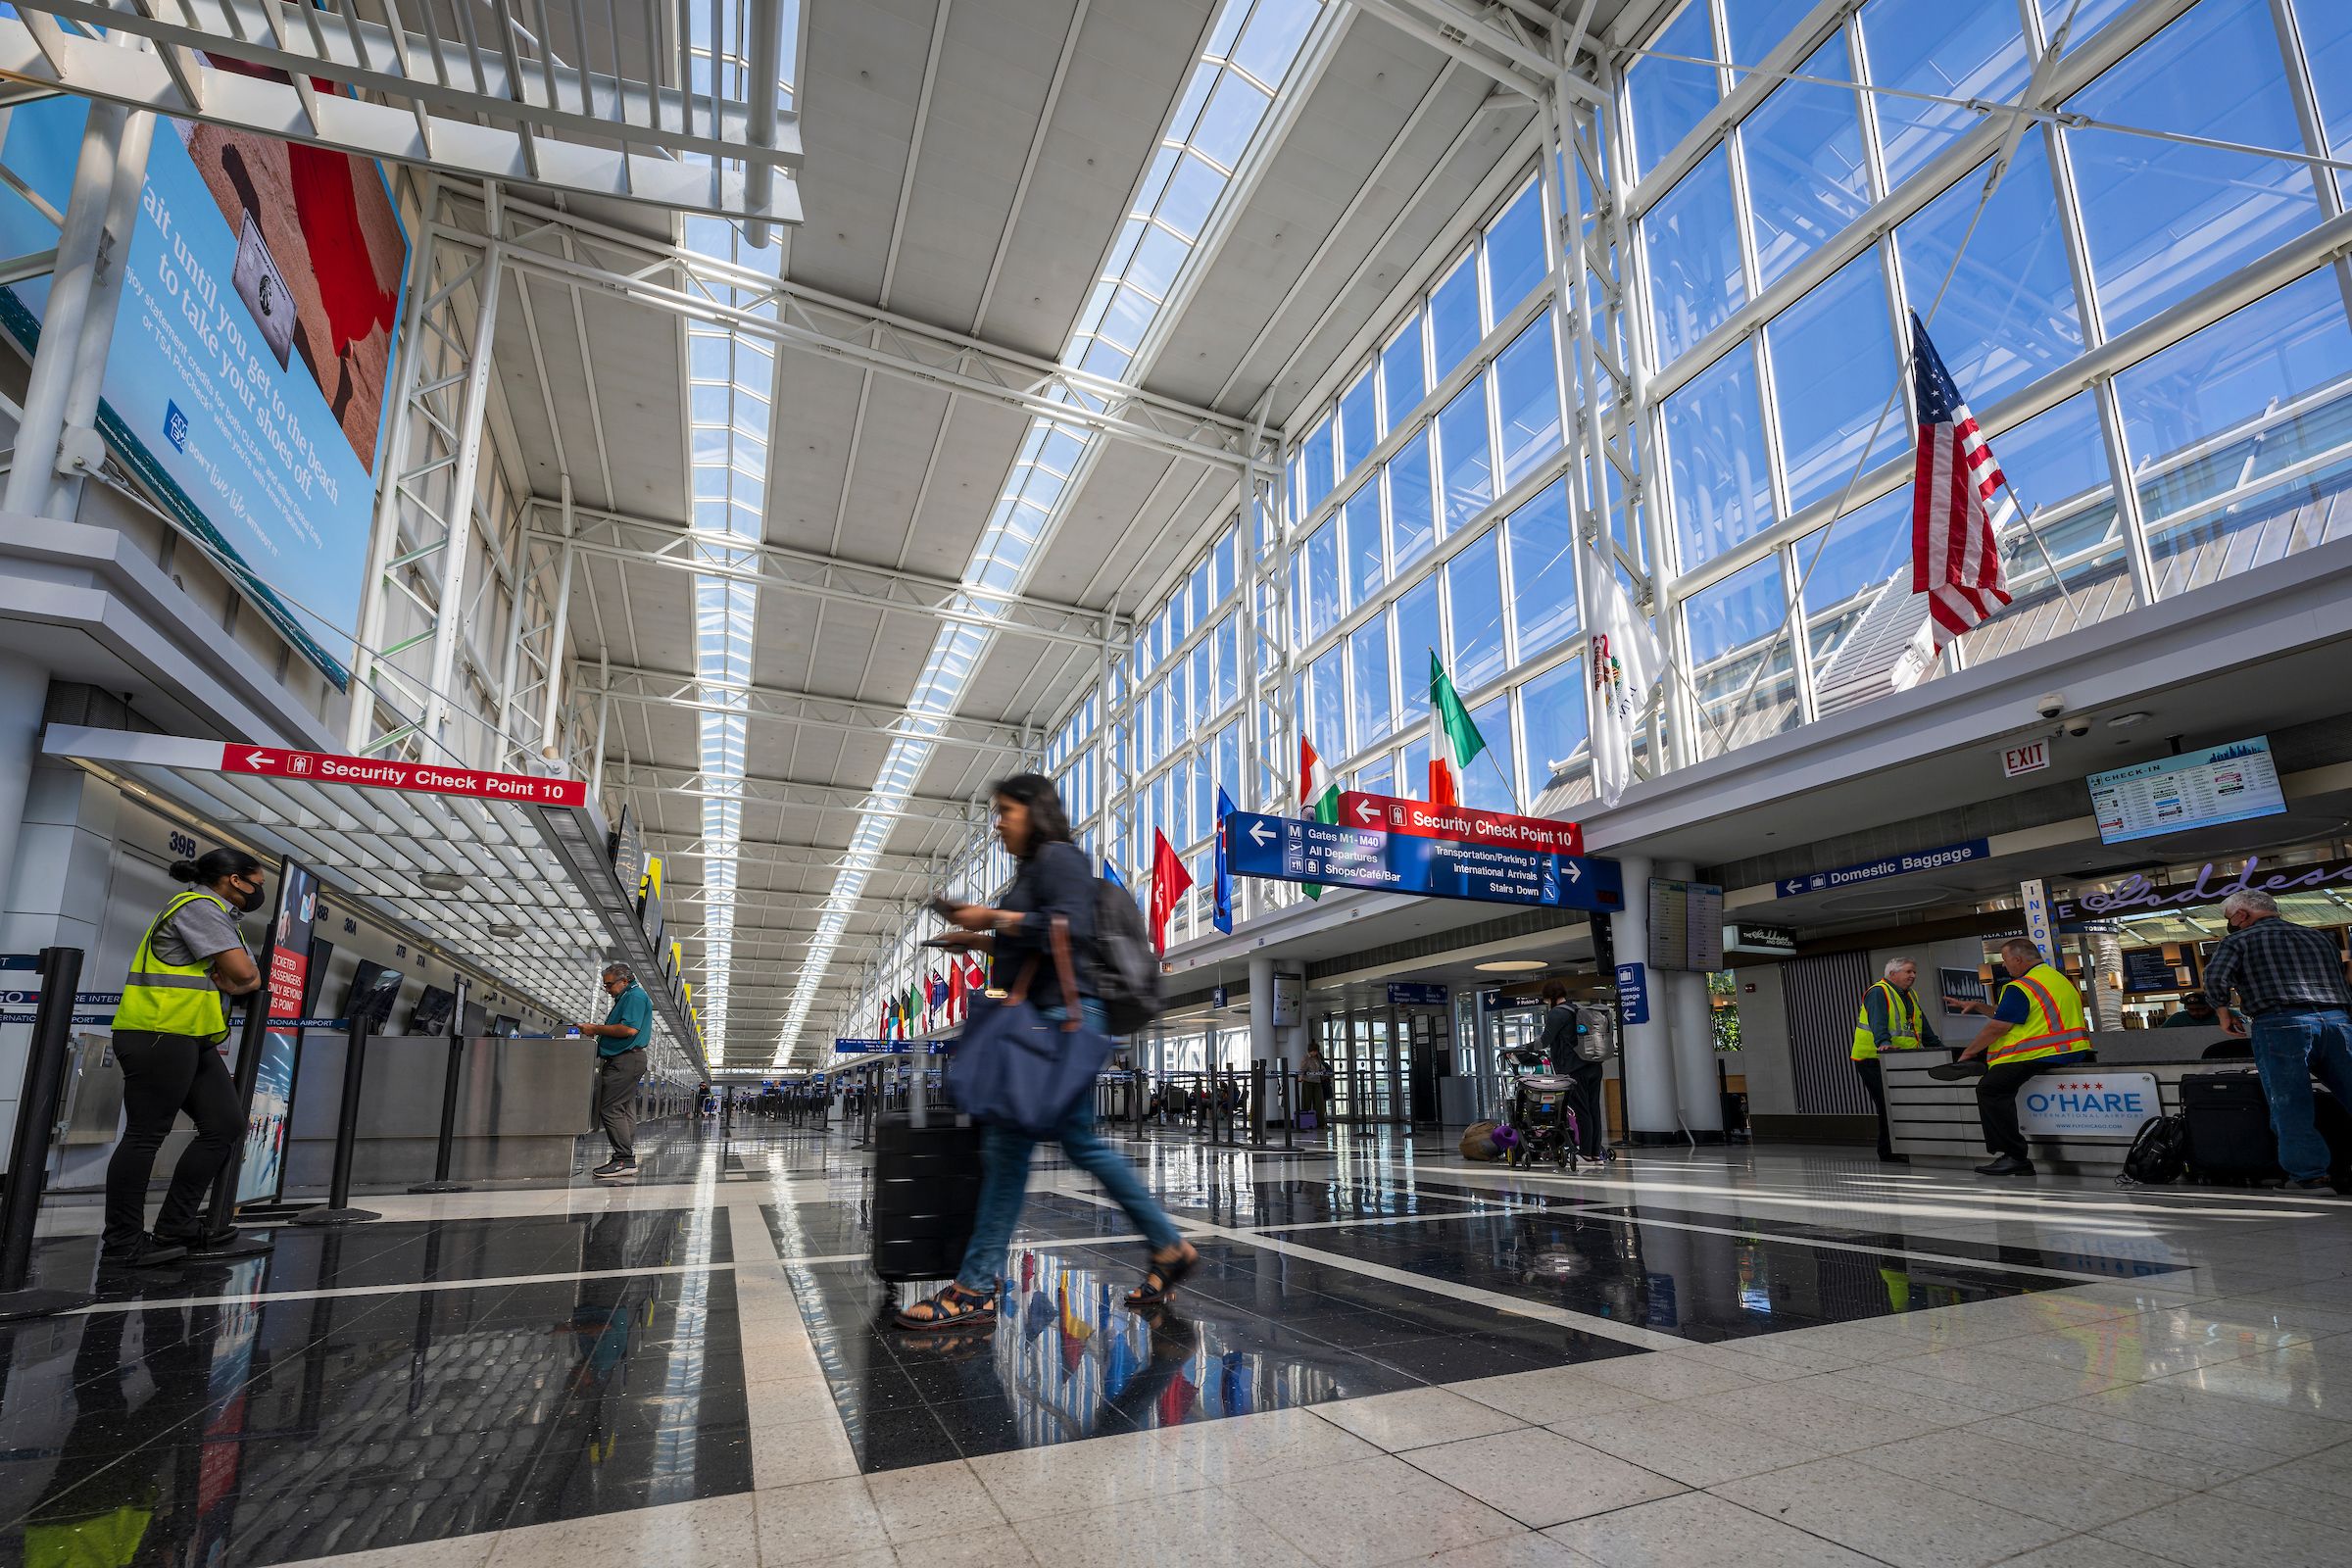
point(1388, 1360)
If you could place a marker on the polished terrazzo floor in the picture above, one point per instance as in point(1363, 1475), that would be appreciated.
point(1767, 1356)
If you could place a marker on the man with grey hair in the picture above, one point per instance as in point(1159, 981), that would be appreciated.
point(621, 1042)
point(2288, 980)
point(1891, 1019)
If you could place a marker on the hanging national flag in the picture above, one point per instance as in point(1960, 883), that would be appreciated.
point(1221, 893)
point(1957, 507)
point(955, 990)
point(975, 973)
point(1110, 874)
point(917, 1019)
point(1169, 882)
point(1456, 742)
point(1318, 796)
point(935, 990)
point(1627, 664)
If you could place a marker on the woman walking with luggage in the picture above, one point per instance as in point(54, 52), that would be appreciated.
point(1053, 884)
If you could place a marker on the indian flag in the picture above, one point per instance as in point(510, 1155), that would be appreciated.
point(1456, 742)
point(1318, 796)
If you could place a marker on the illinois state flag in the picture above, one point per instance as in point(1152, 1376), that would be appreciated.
point(1627, 662)
point(1170, 881)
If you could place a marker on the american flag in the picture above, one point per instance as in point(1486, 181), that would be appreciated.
point(1957, 503)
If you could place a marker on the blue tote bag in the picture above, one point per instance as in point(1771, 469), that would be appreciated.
point(1014, 1067)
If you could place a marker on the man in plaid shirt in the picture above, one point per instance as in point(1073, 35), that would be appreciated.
point(2290, 981)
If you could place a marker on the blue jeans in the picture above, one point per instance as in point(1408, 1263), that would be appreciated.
point(1004, 1180)
point(2289, 1047)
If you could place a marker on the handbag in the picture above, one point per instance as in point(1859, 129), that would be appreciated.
point(1014, 1067)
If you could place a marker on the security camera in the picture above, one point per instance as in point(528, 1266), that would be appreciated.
point(2078, 725)
point(2049, 704)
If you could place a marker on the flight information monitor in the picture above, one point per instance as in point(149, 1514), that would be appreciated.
point(2196, 789)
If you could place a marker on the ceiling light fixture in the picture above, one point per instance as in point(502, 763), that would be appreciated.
point(2126, 721)
point(1509, 965)
point(442, 881)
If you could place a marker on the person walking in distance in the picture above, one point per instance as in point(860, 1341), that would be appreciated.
point(1891, 1019)
point(621, 1042)
point(2289, 983)
point(169, 1032)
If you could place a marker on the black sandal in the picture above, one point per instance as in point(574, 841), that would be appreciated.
point(952, 1308)
point(1165, 1275)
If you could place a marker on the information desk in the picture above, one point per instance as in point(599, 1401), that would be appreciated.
point(1936, 1121)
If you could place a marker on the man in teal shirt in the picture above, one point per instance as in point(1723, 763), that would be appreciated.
point(621, 1042)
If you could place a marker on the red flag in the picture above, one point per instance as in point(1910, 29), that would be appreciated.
point(1169, 882)
point(955, 988)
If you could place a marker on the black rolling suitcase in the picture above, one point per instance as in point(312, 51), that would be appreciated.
point(926, 1192)
point(2230, 1136)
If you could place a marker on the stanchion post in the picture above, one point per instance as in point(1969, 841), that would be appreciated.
point(1257, 1102)
point(1289, 1109)
point(337, 1209)
point(28, 1155)
point(445, 1147)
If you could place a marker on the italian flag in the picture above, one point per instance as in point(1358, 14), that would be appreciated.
point(1318, 796)
point(1456, 742)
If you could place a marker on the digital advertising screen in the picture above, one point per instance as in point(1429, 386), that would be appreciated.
point(2196, 789)
point(252, 356)
point(292, 987)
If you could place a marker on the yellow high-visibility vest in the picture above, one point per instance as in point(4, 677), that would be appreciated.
point(1902, 1023)
point(2054, 1023)
point(173, 999)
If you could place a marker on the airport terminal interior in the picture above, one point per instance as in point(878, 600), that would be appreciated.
point(1693, 655)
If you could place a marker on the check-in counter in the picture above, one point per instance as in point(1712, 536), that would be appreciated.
point(2086, 1117)
point(520, 1105)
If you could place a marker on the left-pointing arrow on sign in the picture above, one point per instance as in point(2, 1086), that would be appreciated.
point(255, 760)
point(1366, 811)
point(1258, 834)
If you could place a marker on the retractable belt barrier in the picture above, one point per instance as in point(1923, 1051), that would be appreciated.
point(36, 1122)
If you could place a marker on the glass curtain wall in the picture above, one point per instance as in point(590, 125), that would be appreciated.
point(1779, 215)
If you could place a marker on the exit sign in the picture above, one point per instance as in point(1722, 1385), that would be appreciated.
point(2030, 758)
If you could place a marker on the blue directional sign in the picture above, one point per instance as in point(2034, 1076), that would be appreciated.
point(1904, 865)
point(1415, 993)
point(1633, 992)
point(860, 1048)
point(1285, 848)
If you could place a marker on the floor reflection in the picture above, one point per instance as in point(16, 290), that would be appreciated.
point(261, 1432)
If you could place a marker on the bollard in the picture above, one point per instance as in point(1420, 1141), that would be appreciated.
point(29, 1155)
point(450, 1076)
point(337, 1209)
point(1257, 1103)
point(1290, 1110)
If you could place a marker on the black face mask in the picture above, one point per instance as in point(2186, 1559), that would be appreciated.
point(251, 900)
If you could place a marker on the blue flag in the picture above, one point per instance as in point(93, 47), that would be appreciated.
point(1110, 874)
point(1221, 916)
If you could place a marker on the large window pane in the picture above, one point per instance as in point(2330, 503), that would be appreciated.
point(1736, 626)
point(1453, 324)
point(2009, 315)
point(1949, 48)
point(2327, 29)
point(1757, 27)
point(1715, 453)
point(1418, 635)
point(2163, 220)
point(1368, 647)
point(2240, 437)
point(1552, 708)
point(1367, 566)
point(1402, 374)
point(1474, 601)
point(1413, 529)
point(1462, 449)
point(1319, 599)
point(1861, 556)
point(1668, 97)
point(1359, 431)
point(1515, 260)
point(1327, 712)
point(1318, 459)
point(1493, 780)
point(1805, 179)
point(1543, 571)
point(1527, 390)
point(1834, 367)
point(1691, 239)
point(1228, 638)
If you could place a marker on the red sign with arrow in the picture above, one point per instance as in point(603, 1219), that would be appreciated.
point(1393, 813)
point(377, 773)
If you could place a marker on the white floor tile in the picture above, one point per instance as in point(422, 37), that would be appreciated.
point(1370, 1511)
point(2215, 1533)
point(1909, 1526)
point(1414, 1418)
point(1540, 1478)
point(1700, 1528)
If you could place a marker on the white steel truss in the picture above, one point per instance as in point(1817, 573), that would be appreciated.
point(626, 683)
point(693, 784)
point(766, 309)
point(811, 856)
point(614, 536)
point(475, 95)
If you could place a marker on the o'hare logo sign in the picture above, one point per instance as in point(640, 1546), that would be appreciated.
point(2087, 1104)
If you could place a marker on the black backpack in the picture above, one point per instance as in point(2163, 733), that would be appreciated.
point(1126, 969)
point(2159, 1153)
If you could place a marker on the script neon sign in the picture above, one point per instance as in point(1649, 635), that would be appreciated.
point(2138, 895)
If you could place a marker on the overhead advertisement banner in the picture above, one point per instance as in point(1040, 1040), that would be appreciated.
point(1288, 850)
point(247, 380)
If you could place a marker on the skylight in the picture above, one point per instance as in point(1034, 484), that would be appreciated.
point(1250, 53)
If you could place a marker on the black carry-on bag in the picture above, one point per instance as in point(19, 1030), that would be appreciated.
point(926, 1190)
point(2230, 1136)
